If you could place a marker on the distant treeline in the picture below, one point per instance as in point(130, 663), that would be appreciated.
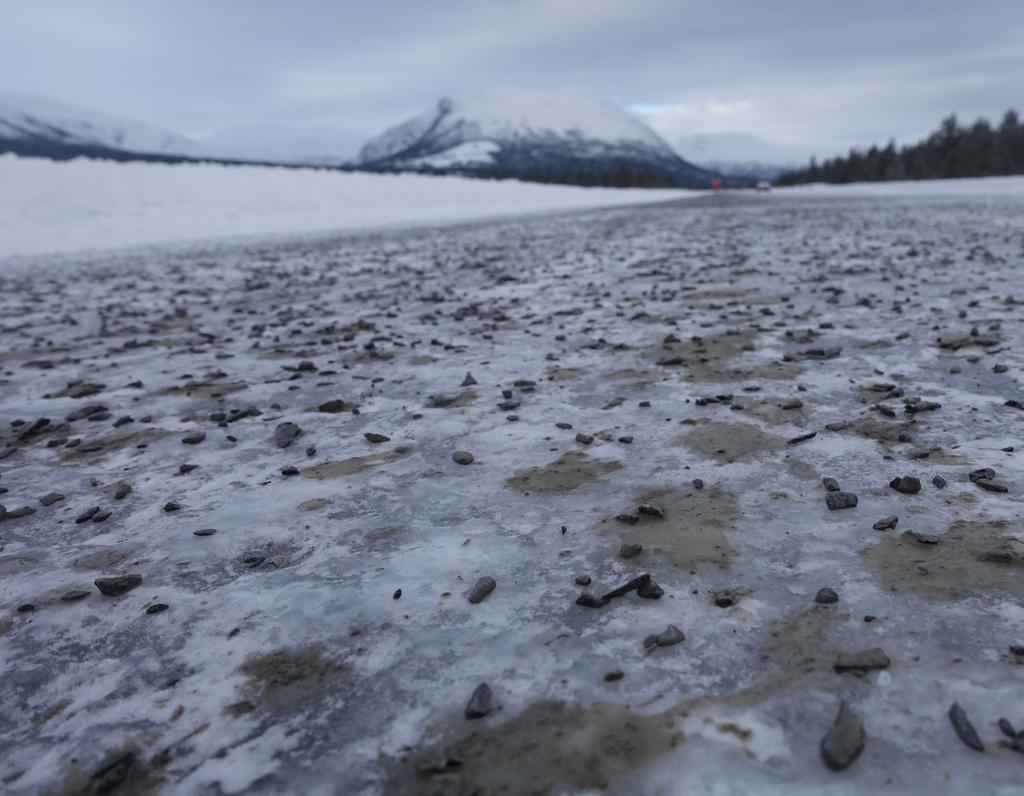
point(980, 150)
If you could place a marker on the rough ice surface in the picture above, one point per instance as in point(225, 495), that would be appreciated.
point(48, 207)
point(287, 662)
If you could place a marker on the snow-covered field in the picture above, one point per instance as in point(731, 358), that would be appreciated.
point(680, 377)
point(994, 187)
point(90, 204)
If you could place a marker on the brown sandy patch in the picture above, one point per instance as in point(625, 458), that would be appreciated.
point(10, 565)
point(286, 678)
point(556, 373)
point(457, 401)
point(111, 443)
point(730, 442)
point(567, 472)
point(356, 464)
point(771, 411)
point(105, 558)
point(971, 558)
point(314, 504)
point(550, 747)
point(204, 389)
point(692, 529)
point(800, 469)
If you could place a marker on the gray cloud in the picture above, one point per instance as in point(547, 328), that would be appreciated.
point(807, 72)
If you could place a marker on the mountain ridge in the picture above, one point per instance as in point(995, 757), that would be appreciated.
point(533, 135)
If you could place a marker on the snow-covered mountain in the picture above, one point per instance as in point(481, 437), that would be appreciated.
point(532, 134)
point(742, 154)
point(48, 127)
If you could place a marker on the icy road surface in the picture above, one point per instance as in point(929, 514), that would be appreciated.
point(289, 607)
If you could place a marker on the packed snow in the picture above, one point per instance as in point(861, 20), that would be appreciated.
point(48, 206)
point(994, 187)
point(299, 461)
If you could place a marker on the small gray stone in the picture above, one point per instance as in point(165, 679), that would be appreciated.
point(939, 481)
point(285, 434)
point(335, 407)
point(826, 596)
point(462, 457)
point(666, 638)
point(116, 586)
point(907, 484)
point(964, 729)
point(481, 589)
point(480, 703)
point(584, 439)
point(862, 661)
point(840, 500)
point(194, 438)
point(375, 438)
point(51, 498)
point(831, 484)
point(886, 524)
point(844, 741)
point(630, 550)
point(920, 538)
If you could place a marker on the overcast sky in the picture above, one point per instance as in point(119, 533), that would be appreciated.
point(816, 73)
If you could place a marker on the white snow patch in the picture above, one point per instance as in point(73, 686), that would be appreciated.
point(47, 206)
point(471, 152)
point(974, 186)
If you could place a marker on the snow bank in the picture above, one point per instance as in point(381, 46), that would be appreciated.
point(980, 186)
point(89, 204)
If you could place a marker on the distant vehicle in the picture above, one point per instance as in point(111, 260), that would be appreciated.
point(716, 184)
point(763, 186)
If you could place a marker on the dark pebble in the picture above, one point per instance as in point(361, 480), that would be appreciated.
point(826, 596)
point(666, 638)
point(862, 661)
point(481, 589)
point(844, 741)
point(116, 586)
point(630, 550)
point(614, 675)
point(205, 532)
point(375, 438)
point(285, 434)
point(480, 703)
point(840, 500)
point(907, 484)
point(964, 729)
point(87, 515)
point(193, 439)
point(156, 608)
point(462, 457)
